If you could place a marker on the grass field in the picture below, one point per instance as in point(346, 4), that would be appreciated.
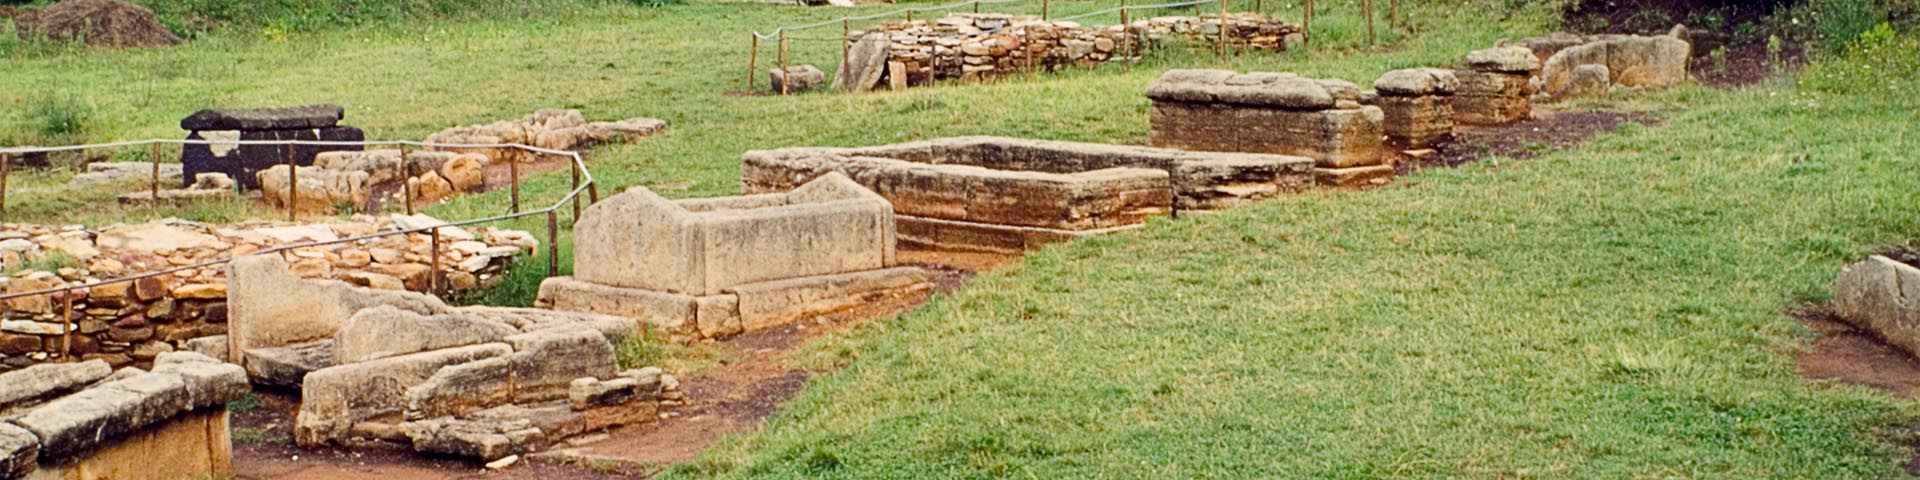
point(1603, 312)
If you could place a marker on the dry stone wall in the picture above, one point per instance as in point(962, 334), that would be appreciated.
point(1282, 113)
point(85, 420)
point(356, 178)
point(976, 47)
point(131, 323)
point(553, 129)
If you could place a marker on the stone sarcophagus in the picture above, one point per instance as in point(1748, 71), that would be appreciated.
point(1011, 195)
point(85, 420)
point(1416, 106)
point(706, 268)
point(243, 162)
point(1262, 112)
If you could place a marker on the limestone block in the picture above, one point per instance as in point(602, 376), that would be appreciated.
point(43, 380)
point(462, 388)
point(209, 383)
point(269, 307)
point(335, 398)
point(287, 366)
point(796, 78)
point(1881, 295)
point(1262, 89)
point(1491, 98)
point(285, 118)
point(1631, 61)
point(465, 173)
point(961, 236)
point(385, 331)
point(1588, 80)
point(585, 393)
point(671, 314)
point(612, 327)
point(1239, 180)
point(77, 423)
point(1417, 82)
point(484, 439)
point(866, 61)
point(1354, 176)
point(19, 451)
point(1510, 59)
point(192, 445)
point(771, 304)
point(1416, 121)
point(546, 362)
point(1333, 138)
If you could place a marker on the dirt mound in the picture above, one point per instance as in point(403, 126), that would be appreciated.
point(97, 22)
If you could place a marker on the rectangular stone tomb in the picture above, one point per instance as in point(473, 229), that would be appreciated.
point(1223, 111)
point(86, 421)
point(243, 162)
point(1013, 195)
point(712, 267)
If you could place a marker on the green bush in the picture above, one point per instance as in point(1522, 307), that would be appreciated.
point(1832, 24)
point(60, 118)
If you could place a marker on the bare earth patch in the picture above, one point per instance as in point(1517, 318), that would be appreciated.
point(1540, 133)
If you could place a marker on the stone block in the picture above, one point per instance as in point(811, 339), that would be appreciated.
point(287, 366)
point(462, 388)
point(1334, 138)
point(1417, 82)
point(268, 306)
point(669, 313)
point(288, 118)
point(385, 331)
point(1881, 295)
point(76, 423)
point(1354, 176)
point(546, 362)
point(485, 439)
point(19, 451)
point(1416, 121)
point(47, 379)
point(796, 78)
point(1508, 59)
point(209, 383)
point(771, 304)
point(242, 163)
point(335, 398)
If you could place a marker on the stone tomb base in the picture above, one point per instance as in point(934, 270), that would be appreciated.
point(741, 308)
point(193, 445)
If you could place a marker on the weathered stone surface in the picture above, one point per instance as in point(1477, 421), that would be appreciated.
point(1587, 80)
point(771, 304)
point(384, 331)
point(40, 381)
point(209, 383)
point(1510, 59)
point(1261, 89)
point(462, 388)
point(1334, 138)
point(213, 346)
point(271, 307)
point(195, 444)
point(796, 78)
point(335, 398)
point(154, 237)
point(614, 328)
point(1417, 82)
point(865, 63)
point(640, 240)
point(1881, 295)
point(289, 365)
point(1416, 121)
point(669, 313)
point(1630, 61)
point(585, 393)
point(1491, 98)
point(79, 422)
point(546, 362)
point(288, 118)
point(486, 439)
point(19, 451)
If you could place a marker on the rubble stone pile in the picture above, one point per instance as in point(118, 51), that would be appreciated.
point(356, 178)
point(131, 323)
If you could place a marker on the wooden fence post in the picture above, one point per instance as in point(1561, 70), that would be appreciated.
point(293, 185)
point(513, 185)
point(154, 188)
point(1126, 36)
point(1366, 9)
point(1306, 26)
point(783, 62)
point(753, 57)
point(1223, 30)
point(406, 175)
point(553, 243)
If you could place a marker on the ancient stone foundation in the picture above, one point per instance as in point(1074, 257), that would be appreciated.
point(713, 267)
point(1283, 113)
point(976, 47)
point(552, 129)
point(353, 178)
point(1881, 295)
point(1495, 86)
point(85, 421)
point(1416, 106)
point(243, 162)
point(1012, 195)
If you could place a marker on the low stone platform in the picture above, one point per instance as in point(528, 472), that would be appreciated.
point(1263, 112)
point(706, 268)
point(86, 421)
point(1012, 195)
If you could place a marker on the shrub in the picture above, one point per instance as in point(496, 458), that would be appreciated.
point(60, 118)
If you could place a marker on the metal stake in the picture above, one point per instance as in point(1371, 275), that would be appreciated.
point(293, 185)
point(433, 270)
point(553, 243)
point(513, 189)
point(406, 184)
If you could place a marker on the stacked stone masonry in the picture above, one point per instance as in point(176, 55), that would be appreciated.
point(1416, 106)
point(1495, 86)
point(84, 420)
point(131, 323)
point(356, 178)
point(552, 129)
point(1282, 113)
point(1012, 195)
point(708, 268)
point(977, 47)
point(242, 162)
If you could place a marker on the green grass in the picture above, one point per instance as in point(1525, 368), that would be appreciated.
point(1610, 311)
